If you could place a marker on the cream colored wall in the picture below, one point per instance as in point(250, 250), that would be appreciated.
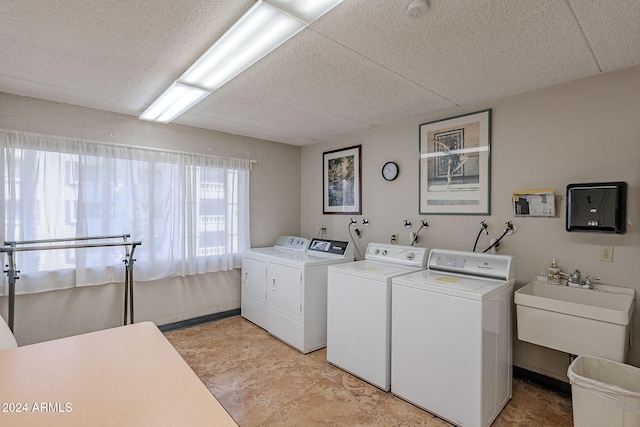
point(274, 200)
point(583, 131)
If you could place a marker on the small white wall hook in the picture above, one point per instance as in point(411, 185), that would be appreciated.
point(407, 223)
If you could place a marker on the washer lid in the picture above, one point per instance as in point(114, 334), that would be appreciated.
point(462, 283)
point(376, 270)
point(469, 287)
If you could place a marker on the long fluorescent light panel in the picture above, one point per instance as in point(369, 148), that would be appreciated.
point(264, 27)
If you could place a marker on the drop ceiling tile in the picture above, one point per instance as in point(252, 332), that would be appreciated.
point(469, 51)
point(363, 64)
point(316, 72)
point(120, 49)
point(244, 129)
point(238, 106)
point(67, 96)
point(612, 28)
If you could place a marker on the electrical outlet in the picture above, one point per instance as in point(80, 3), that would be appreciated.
point(323, 230)
point(394, 238)
point(606, 253)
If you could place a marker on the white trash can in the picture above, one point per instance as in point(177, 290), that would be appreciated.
point(604, 393)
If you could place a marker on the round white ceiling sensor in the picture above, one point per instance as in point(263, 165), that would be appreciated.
point(417, 8)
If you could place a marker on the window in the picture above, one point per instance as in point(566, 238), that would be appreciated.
point(189, 211)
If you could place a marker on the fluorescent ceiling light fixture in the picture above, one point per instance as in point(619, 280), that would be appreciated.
point(255, 34)
point(305, 10)
point(174, 101)
point(264, 27)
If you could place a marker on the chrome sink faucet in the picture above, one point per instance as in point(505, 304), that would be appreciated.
point(575, 280)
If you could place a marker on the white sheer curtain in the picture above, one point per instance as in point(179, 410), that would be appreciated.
point(190, 211)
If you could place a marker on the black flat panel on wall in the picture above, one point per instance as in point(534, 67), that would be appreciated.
point(597, 207)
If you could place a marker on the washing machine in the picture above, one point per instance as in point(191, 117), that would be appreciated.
point(359, 310)
point(451, 351)
point(297, 293)
point(255, 264)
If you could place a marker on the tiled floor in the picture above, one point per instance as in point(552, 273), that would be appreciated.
point(263, 382)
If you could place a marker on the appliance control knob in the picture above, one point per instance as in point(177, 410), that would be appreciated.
point(376, 251)
point(384, 252)
point(411, 255)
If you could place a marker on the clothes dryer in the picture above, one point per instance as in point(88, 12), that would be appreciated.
point(359, 310)
point(297, 294)
point(255, 264)
point(451, 351)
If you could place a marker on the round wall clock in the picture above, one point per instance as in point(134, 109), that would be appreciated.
point(390, 171)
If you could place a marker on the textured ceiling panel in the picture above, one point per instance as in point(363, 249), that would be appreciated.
point(119, 48)
point(315, 72)
point(230, 105)
point(613, 30)
point(362, 65)
point(469, 51)
point(109, 102)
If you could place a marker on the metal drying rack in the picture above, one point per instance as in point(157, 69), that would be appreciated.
point(130, 247)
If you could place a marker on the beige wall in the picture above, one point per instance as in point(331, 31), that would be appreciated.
point(583, 131)
point(274, 200)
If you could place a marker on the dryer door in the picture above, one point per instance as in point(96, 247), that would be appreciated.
point(254, 278)
point(254, 291)
point(285, 295)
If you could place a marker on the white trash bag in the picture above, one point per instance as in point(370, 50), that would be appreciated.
point(604, 388)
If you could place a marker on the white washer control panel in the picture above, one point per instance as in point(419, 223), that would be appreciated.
point(472, 263)
point(406, 255)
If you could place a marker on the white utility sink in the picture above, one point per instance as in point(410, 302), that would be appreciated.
point(591, 322)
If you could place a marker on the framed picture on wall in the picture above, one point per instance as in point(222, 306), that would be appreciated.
point(455, 165)
point(342, 181)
